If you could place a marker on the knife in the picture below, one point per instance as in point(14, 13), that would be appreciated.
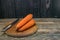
point(9, 26)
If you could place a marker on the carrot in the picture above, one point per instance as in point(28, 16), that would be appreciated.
point(28, 25)
point(24, 20)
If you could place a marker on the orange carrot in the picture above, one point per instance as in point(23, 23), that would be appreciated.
point(24, 20)
point(27, 25)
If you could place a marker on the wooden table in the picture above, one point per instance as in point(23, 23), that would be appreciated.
point(48, 29)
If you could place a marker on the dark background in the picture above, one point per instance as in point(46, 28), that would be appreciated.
point(39, 8)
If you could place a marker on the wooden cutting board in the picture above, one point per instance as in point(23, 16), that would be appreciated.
point(12, 31)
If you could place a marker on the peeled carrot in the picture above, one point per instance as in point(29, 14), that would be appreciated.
point(24, 20)
point(28, 25)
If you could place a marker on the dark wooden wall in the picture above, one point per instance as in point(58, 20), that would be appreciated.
point(55, 11)
point(8, 8)
point(20, 8)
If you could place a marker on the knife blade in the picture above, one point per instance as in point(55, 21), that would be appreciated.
point(9, 26)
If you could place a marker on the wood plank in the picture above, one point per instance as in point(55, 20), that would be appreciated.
point(48, 29)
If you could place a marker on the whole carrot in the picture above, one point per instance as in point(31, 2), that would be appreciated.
point(27, 25)
point(24, 20)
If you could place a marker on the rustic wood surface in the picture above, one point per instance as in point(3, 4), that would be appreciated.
point(48, 29)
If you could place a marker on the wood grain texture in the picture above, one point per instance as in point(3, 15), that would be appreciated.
point(41, 34)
